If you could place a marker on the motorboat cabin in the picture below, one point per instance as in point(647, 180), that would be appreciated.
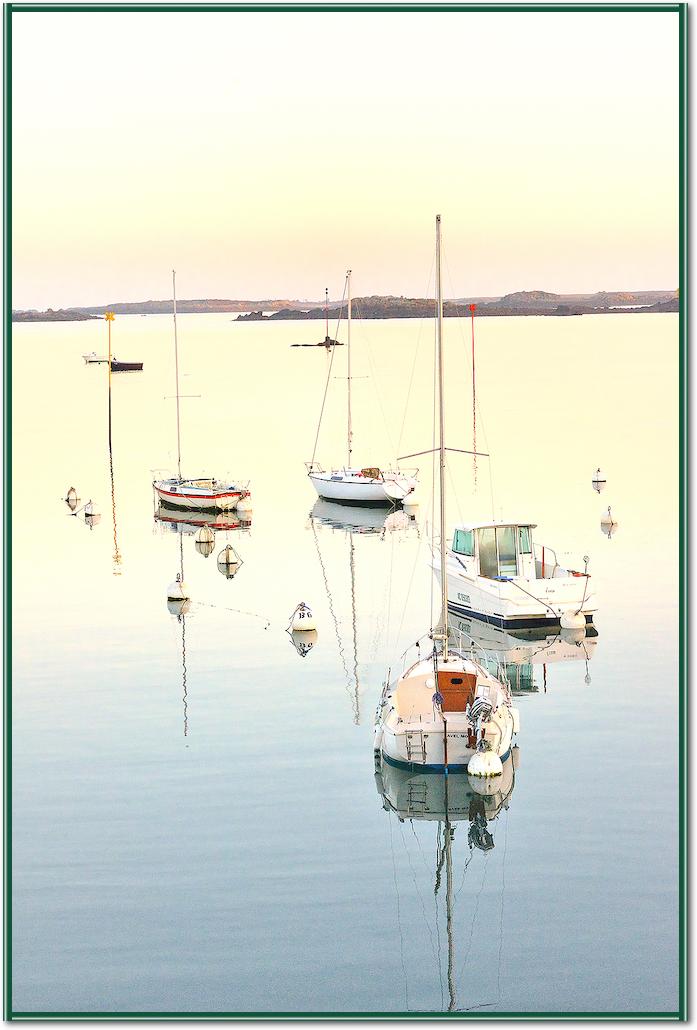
point(497, 572)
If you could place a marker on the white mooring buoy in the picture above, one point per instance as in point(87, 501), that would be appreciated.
point(244, 505)
point(204, 541)
point(599, 481)
point(229, 562)
point(572, 620)
point(411, 501)
point(90, 509)
point(484, 763)
point(302, 620)
point(303, 642)
point(177, 591)
point(609, 523)
point(71, 498)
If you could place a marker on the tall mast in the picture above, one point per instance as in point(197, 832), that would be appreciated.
point(176, 371)
point(348, 347)
point(441, 404)
point(326, 312)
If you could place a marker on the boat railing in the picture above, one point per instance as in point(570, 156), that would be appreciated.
point(546, 563)
point(313, 466)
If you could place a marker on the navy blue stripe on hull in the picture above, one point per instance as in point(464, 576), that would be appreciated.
point(417, 767)
point(501, 623)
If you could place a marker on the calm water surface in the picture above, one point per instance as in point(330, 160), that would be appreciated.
point(196, 821)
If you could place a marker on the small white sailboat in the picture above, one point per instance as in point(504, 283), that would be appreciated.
point(497, 573)
point(350, 484)
point(446, 711)
point(200, 493)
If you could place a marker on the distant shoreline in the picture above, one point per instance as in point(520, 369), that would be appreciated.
point(530, 302)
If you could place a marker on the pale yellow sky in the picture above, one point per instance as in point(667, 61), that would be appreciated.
point(262, 154)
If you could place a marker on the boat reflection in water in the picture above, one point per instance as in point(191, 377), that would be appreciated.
point(465, 809)
point(518, 654)
point(354, 521)
point(189, 522)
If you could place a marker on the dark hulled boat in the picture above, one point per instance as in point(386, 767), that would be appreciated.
point(126, 366)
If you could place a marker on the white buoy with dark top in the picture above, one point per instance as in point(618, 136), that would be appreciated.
point(599, 481)
point(302, 620)
point(608, 523)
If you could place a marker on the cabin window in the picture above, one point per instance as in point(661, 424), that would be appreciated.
point(508, 562)
point(488, 559)
point(463, 543)
point(525, 546)
point(497, 551)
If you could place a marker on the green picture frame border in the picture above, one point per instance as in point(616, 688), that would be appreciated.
point(10, 11)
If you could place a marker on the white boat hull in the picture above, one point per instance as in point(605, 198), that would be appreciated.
point(521, 602)
point(412, 730)
point(189, 497)
point(355, 489)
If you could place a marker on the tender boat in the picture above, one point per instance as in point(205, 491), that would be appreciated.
point(126, 366)
point(446, 710)
point(352, 484)
point(93, 359)
point(200, 493)
point(496, 572)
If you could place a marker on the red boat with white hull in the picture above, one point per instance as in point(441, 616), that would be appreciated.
point(200, 494)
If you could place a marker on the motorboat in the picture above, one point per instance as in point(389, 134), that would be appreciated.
point(496, 572)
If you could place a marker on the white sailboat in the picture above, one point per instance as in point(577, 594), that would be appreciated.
point(446, 711)
point(201, 493)
point(352, 484)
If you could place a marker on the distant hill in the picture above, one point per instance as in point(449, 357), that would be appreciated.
point(525, 302)
point(62, 315)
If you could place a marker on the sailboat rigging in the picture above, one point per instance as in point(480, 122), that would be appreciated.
point(446, 710)
point(353, 485)
point(198, 493)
